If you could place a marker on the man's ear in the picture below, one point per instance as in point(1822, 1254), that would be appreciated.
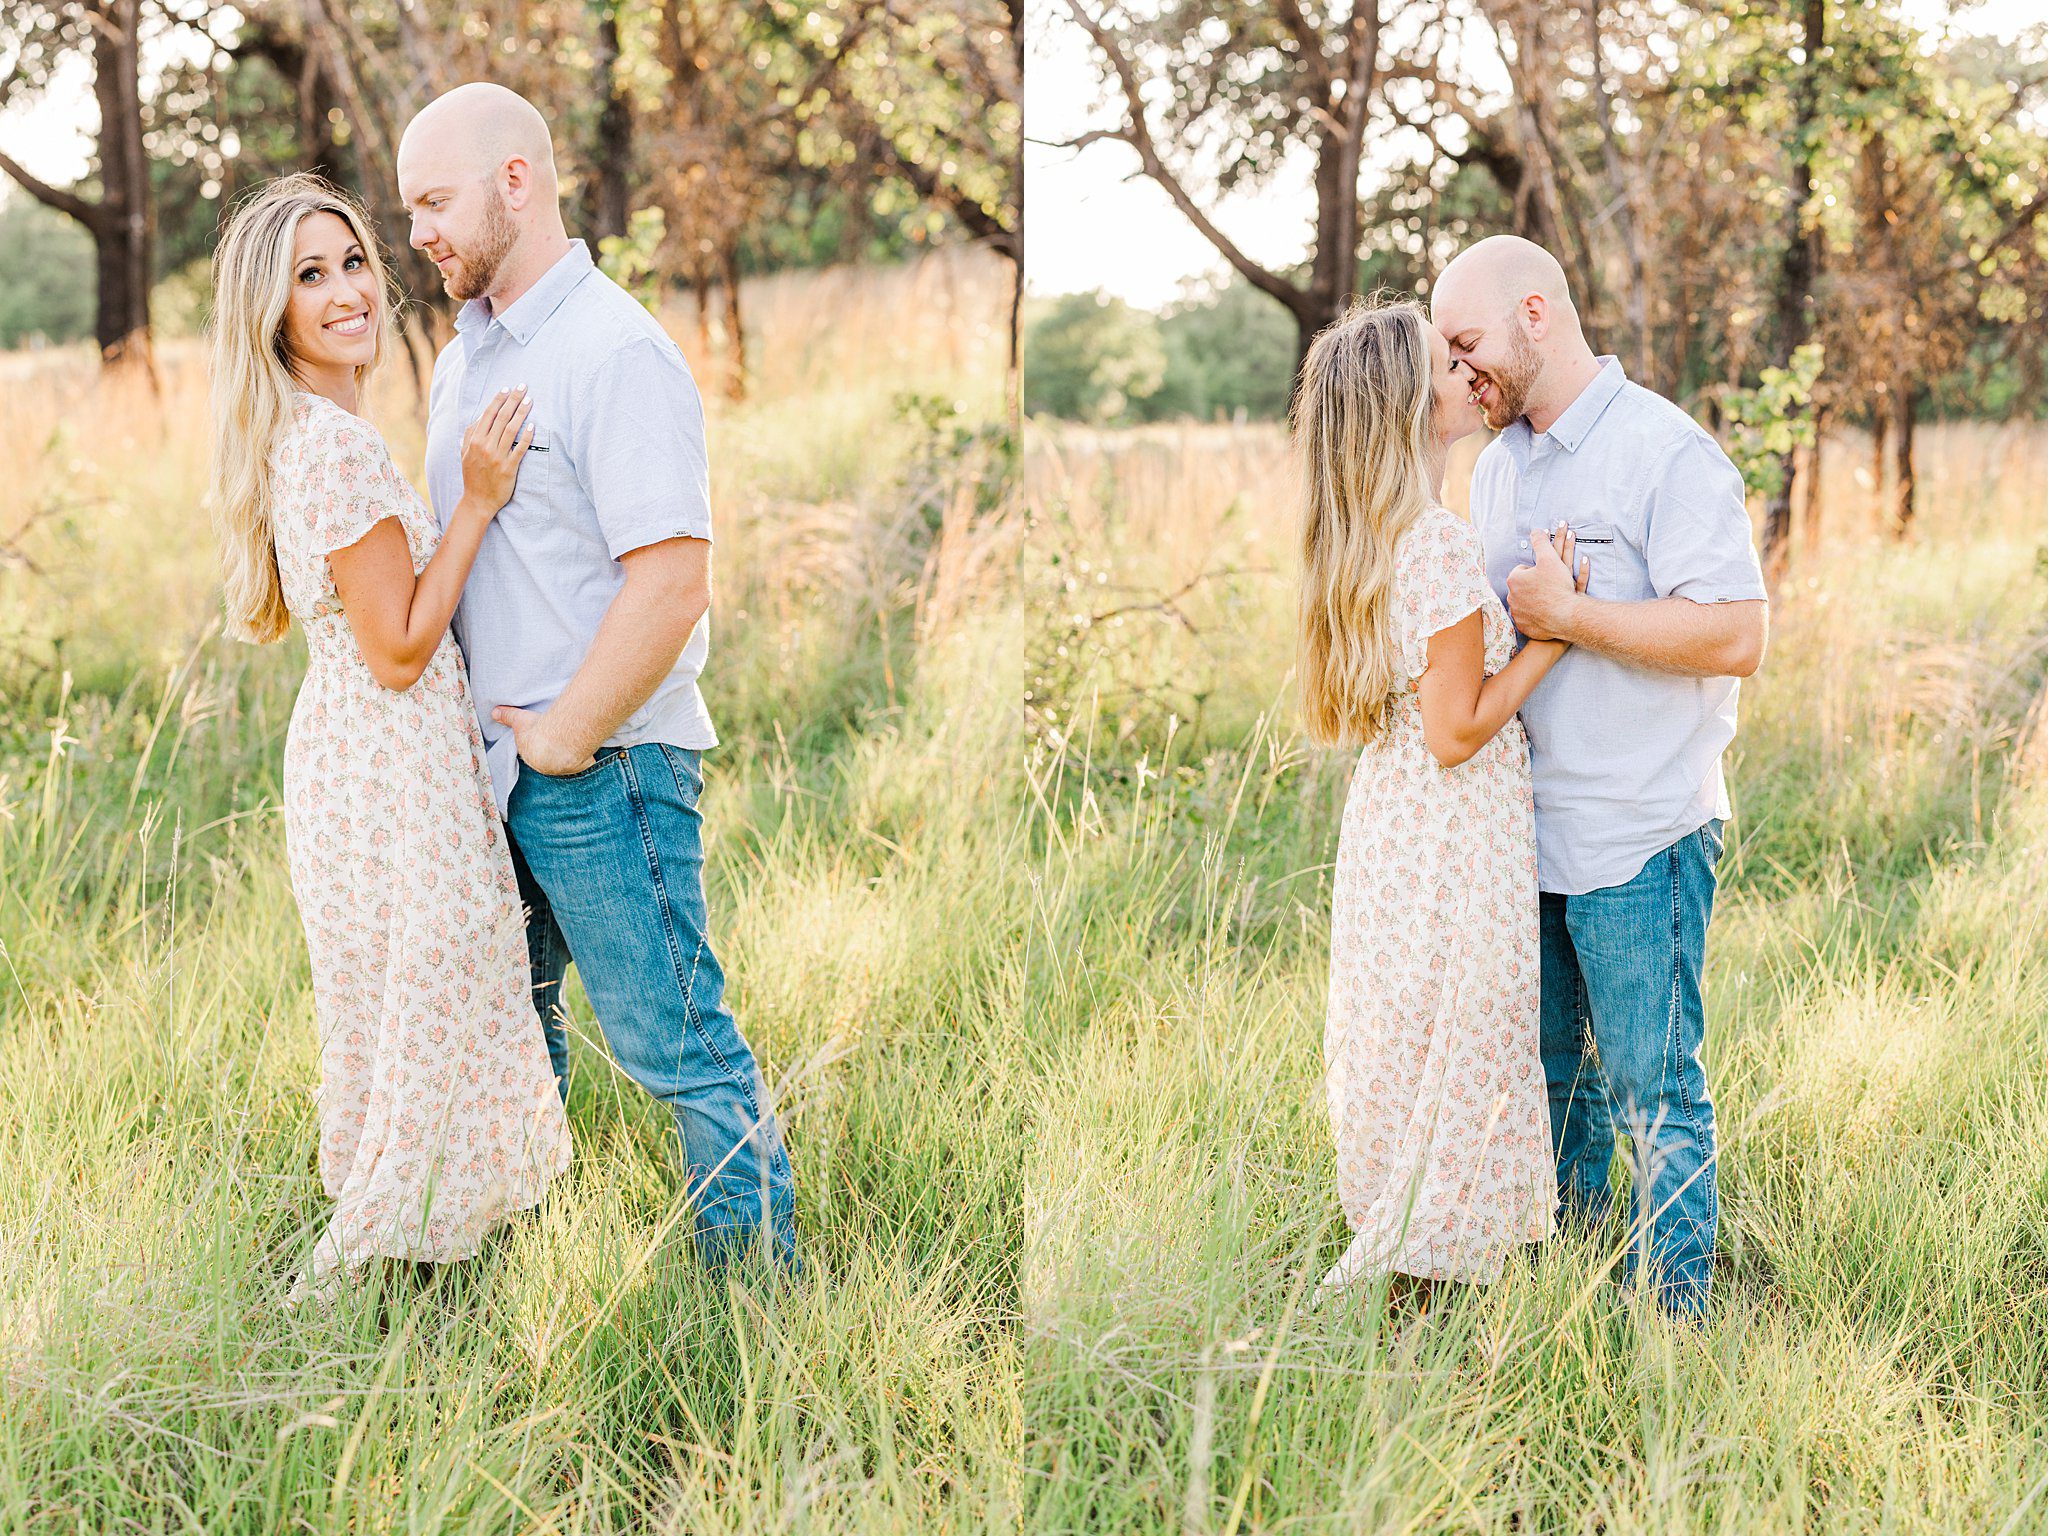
point(1536, 316)
point(515, 182)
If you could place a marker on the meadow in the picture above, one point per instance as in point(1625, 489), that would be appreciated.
point(1878, 995)
point(1040, 990)
point(157, 1047)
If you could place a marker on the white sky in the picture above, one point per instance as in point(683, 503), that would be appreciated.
point(1091, 221)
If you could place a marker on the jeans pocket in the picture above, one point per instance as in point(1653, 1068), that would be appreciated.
point(604, 760)
point(687, 764)
point(1711, 841)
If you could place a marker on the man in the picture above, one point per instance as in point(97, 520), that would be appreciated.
point(1625, 735)
point(585, 628)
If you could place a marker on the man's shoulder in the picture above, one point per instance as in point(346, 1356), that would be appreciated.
point(1662, 425)
point(604, 317)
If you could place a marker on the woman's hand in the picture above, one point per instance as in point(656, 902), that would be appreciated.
point(1565, 545)
point(1538, 602)
point(492, 448)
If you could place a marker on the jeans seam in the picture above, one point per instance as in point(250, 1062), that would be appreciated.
point(691, 1015)
point(668, 752)
point(1674, 1044)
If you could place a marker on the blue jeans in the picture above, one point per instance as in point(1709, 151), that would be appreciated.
point(611, 868)
point(1623, 1023)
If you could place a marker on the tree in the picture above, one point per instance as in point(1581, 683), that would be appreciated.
point(1092, 358)
point(921, 103)
point(121, 218)
point(1257, 80)
point(46, 287)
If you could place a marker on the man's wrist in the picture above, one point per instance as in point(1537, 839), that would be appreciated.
point(1569, 618)
point(569, 741)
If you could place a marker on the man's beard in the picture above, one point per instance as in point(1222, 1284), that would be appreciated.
point(476, 272)
point(1512, 380)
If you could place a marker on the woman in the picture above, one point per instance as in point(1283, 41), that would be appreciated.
point(439, 1114)
point(1434, 1074)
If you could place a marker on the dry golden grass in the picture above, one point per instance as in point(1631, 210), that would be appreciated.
point(158, 1050)
point(1877, 988)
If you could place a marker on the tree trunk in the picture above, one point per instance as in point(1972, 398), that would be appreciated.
point(317, 105)
point(1902, 460)
point(700, 285)
point(1014, 380)
point(1621, 188)
point(606, 208)
point(1880, 429)
point(377, 174)
point(122, 234)
point(1808, 480)
point(735, 331)
point(1799, 263)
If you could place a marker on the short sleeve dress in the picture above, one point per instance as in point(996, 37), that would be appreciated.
point(439, 1112)
point(1433, 1063)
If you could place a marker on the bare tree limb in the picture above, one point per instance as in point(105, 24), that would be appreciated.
point(1138, 134)
point(88, 214)
point(1310, 42)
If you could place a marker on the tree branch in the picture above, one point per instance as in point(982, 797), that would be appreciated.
point(2019, 224)
point(1138, 134)
point(1310, 42)
point(88, 214)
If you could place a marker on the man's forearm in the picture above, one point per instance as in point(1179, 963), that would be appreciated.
point(636, 646)
point(1671, 634)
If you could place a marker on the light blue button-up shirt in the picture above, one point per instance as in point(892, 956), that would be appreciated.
point(617, 463)
point(1626, 760)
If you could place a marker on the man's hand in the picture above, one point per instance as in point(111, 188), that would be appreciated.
point(534, 734)
point(1541, 596)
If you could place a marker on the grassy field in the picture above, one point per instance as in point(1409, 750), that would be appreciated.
point(157, 1050)
point(1042, 993)
point(1878, 995)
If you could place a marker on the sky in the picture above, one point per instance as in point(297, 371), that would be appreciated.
point(1090, 221)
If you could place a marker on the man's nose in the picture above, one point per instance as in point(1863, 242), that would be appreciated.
point(420, 238)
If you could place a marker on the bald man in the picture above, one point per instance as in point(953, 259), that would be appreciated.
point(1625, 734)
point(585, 626)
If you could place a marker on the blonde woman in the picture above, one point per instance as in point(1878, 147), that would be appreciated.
point(1434, 1076)
point(439, 1113)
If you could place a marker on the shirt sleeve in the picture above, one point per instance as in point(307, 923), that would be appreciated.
point(638, 446)
point(1697, 541)
point(1441, 579)
point(352, 486)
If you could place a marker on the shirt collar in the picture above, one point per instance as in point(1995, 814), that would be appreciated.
point(1570, 429)
point(526, 315)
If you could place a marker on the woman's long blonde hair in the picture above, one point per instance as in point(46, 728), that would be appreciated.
point(253, 380)
point(1363, 425)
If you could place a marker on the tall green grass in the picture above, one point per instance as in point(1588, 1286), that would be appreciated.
point(157, 1049)
point(1044, 1007)
point(1878, 1032)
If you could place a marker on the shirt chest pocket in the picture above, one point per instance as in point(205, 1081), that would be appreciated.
point(1616, 569)
point(539, 466)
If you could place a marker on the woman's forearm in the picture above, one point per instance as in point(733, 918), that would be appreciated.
point(439, 587)
point(1502, 695)
point(1458, 720)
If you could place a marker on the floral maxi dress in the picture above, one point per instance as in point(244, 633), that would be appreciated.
point(1432, 1055)
point(439, 1112)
